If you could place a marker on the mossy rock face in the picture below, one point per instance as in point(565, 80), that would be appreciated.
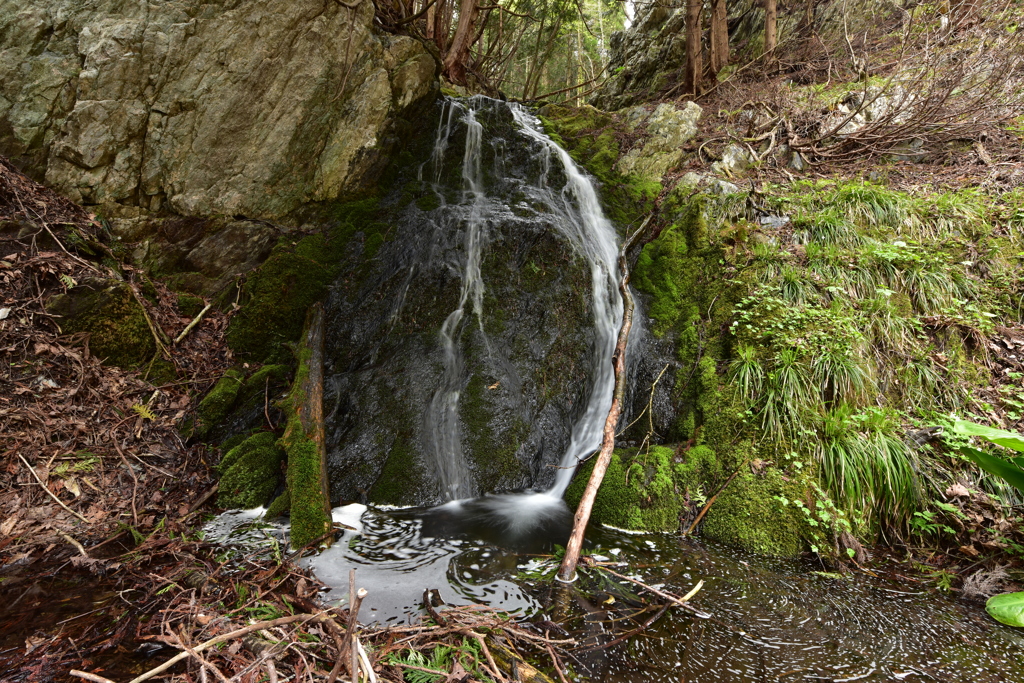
point(250, 472)
point(591, 137)
point(646, 491)
point(216, 405)
point(238, 404)
point(525, 355)
point(110, 314)
point(297, 274)
point(638, 492)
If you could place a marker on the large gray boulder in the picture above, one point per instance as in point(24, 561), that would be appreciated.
point(251, 107)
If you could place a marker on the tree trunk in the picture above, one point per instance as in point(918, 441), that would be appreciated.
point(694, 57)
point(567, 571)
point(457, 59)
point(719, 36)
point(771, 25)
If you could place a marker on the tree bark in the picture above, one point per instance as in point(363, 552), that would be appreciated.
point(694, 56)
point(458, 54)
point(771, 25)
point(567, 571)
point(719, 36)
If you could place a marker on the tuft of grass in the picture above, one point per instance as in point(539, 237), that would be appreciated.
point(866, 467)
point(832, 228)
point(873, 205)
point(748, 374)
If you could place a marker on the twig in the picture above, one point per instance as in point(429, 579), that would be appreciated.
point(195, 321)
point(152, 326)
point(365, 660)
point(711, 500)
point(49, 492)
point(89, 677)
point(355, 598)
point(195, 655)
point(628, 634)
point(72, 542)
point(487, 653)
point(260, 626)
point(558, 667)
point(661, 594)
point(438, 619)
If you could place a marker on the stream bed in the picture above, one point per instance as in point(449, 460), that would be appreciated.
point(759, 618)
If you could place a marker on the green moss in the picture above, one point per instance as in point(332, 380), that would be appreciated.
point(189, 305)
point(748, 511)
point(114, 320)
point(249, 472)
point(267, 380)
point(233, 441)
point(308, 506)
point(637, 493)
point(217, 404)
point(281, 505)
point(306, 487)
point(295, 276)
point(161, 371)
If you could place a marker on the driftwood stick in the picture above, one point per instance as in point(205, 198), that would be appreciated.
point(567, 571)
point(49, 492)
point(220, 639)
point(195, 321)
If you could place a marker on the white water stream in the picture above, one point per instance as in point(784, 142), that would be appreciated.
point(582, 222)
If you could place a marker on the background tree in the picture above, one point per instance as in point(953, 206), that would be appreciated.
point(719, 36)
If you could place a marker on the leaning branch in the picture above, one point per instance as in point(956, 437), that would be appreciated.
point(567, 572)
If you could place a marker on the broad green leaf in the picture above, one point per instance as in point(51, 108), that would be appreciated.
point(1007, 608)
point(1019, 462)
point(999, 437)
point(997, 466)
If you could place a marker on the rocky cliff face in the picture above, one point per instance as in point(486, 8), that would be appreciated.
point(251, 107)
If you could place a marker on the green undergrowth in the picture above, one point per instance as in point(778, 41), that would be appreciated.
point(297, 274)
point(825, 340)
point(663, 488)
point(591, 137)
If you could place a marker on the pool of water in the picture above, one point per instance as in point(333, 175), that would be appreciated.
point(760, 619)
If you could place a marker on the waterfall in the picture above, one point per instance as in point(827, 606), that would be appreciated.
point(586, 226)
point(446, 441)
point(583, 224)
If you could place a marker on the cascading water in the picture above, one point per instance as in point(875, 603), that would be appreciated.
point(445, 438)
point(580, 220)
